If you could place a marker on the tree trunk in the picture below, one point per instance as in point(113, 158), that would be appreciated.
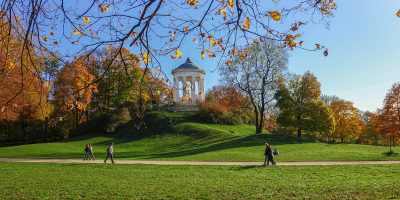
point(298, 128)
point(76, 118)
point(261, 124)
point(394, 143)
point(46, 129)
point(257, 130)
point(298, 134)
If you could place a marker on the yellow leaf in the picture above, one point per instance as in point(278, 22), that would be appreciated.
point(246, 24)
point(10, 65)
point(103, 8)
point(202, 55)
point(76, 32)
point(275, 15)
point(194, 40)
point(133, 34)
point(178, 53)
point(86, 20)
point(325, 11)
point(52, 33)
point(109, 47)
point(221, 12)
point(212, 41)
point(228, 62)
point(234, 51)
point(158, 70)
point(44, 38)
point(146, 57)
point(186, 29)
point(231, 3)
point(398, 13)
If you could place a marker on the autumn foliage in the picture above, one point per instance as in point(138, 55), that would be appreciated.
point(226, 105)
point(389, 116)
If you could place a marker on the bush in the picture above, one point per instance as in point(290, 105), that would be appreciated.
point(214, 113)
point(117, 119)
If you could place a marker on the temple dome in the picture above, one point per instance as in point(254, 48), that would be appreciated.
point(188, 66)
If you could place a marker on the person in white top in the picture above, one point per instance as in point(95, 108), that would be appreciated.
point(110, 150)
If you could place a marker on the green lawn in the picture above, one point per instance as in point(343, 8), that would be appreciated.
point(98, 181)
point(195, 141)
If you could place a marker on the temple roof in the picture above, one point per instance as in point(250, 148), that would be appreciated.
point(188, 66)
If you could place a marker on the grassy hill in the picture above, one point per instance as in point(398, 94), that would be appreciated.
point(182, 136)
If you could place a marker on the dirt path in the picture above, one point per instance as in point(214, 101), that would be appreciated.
point(159, 162)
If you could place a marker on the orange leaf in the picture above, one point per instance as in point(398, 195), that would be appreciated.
point(275, 15)
point(104, 8)
point(192, 2)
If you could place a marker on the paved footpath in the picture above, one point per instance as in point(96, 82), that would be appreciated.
point(159, 162)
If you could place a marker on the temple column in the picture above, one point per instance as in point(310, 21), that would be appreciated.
point(201, 88)
point(179, 98)
point(175, 90)
point(192, 82)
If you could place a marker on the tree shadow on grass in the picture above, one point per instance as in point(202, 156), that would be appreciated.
point(228, 143)
point(390, 154)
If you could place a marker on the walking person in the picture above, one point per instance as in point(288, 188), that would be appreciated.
point(91, 151)
point(269, 156)
point(86, 150)
point(110, 150)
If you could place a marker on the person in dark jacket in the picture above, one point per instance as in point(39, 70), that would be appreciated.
point(87, 152)
point(269, 156)
point(110, 151)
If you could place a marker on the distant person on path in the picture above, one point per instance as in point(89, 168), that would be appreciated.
point(269, 156)
point(91, 151)
point(86, 150)
point(276, 152)
point(110, 150)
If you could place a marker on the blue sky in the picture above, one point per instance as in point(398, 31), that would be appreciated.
point(364, 53)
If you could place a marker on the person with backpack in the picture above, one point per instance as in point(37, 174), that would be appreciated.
point(110, 150)
point(269, 156)
point(276, 152)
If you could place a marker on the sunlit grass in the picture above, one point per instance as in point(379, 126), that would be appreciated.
point(99, 181)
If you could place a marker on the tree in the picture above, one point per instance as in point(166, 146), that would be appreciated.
point(300, 106)
point(23, 92)
point(226, 105)
point(390, 115)
point(257, 71)
point(370, 131)
point(73, 91)
point(120, 85)
point(228, 98)
point(348, 123)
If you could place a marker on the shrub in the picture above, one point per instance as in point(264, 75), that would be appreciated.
point(117, 119)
